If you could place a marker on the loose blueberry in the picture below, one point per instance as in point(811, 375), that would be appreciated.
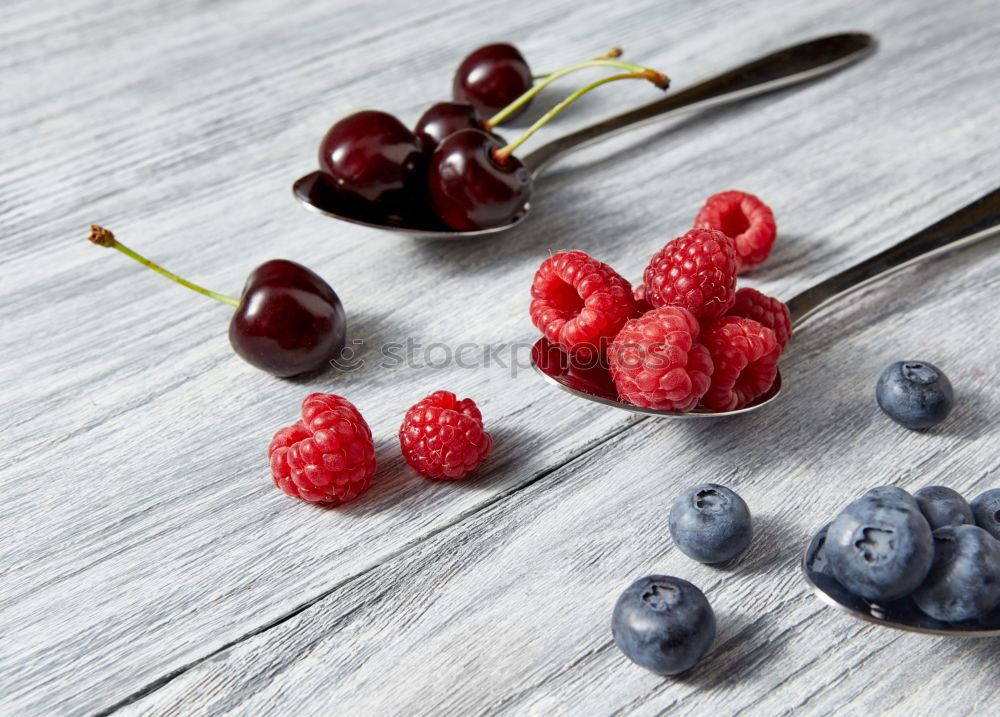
point(915, 394)
point(664, 624)
point(879, 547)
point(964, 581)
point(986, 508)
point(710, 523)
point(943, 506)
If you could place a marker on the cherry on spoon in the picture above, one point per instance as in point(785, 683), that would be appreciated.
point(977, 221)
point(287, 321)
point(790, 66)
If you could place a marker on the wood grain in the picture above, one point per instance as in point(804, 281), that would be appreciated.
point(144, 554)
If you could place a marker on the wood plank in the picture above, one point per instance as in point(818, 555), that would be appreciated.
point(138, 529)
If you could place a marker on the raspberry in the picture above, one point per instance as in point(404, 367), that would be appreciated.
point(744, 218)
point(656, 363)
point(745, 354)
point(579, 302)
point(442, 437)
point(325, 457)
point(641, 305)
point(696, 271)
point(766, 310)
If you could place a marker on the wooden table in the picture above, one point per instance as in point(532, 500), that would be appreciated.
point(148, 564)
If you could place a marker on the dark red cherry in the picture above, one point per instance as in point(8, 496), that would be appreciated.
point(491, 78)
point(289, 321)
point(470, 188)
point(373, 157)
point(444, 119)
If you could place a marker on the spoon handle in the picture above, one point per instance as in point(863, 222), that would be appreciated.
point(790, 66)
point(979, 220)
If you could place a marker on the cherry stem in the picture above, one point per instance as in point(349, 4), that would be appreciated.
point(657, 78)
point(604, 60)
point(611, 54)
point(103, 237)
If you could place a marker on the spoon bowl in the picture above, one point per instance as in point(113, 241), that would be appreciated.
point(974, 222)
point(899, 614)
point(790, 66)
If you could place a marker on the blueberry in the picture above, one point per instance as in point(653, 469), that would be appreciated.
point(915, 394)
point(710, 523)
point(664, 624)
point(986, 508)
point(892, 493)
point(964, 582)
point(943, 506)
point(816, 555)
point(879, 547)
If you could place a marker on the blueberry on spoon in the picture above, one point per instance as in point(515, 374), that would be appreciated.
point(288, 320)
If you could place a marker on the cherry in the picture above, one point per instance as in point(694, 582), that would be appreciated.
point(372, 157)
point(288, 320)
point(470, 188)
point(492, 77)
point(444, 119)
point(475, 182)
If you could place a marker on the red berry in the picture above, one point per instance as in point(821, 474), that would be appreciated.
point(745, 219)
point(442, 437)
point(696, 271)
point(656, 363)
point(579, 302)
point(766, 310)
point(327, 456)
point(745, 355)
point(641, 305)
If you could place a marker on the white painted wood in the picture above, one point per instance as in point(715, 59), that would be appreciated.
point(139, 532)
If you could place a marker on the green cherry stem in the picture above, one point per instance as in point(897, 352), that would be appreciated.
point(611, 54)
point(103, 237)
point(604, 61)
point(657, 78)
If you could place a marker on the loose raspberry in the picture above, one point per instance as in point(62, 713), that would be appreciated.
point(579, 303)
point(766, 310)
point(696, 271)
point(745, 354)
point(327, 456)
point(746, 220)
point(656, 363)
point(442, 437)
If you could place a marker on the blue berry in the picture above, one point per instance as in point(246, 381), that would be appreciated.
point(943, 506)
point(710, 523)
point(879, 547)
point(964, 581)
point(986, 508)
point(892, 493)
point(915, 394)
point(816, 555)
point(664, 624)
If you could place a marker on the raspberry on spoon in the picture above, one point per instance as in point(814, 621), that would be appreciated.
point(746, 220)
point(327, 456)
point(579, 302)
point(443, 437)
point(288, 320)
point(696, 271)
point(766, 310)
point(745, 354)
point(656, 361)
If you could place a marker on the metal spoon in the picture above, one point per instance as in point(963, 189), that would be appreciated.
point(790, 66)
point(979, 220)
point(900, 614)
